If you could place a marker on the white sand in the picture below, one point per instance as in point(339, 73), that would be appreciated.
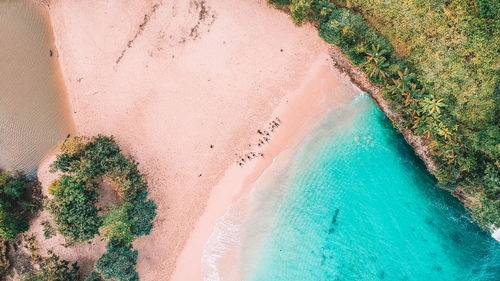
point(170, 79)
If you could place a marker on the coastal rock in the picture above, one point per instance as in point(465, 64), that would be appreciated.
point(360, 79)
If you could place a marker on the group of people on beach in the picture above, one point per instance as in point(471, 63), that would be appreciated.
point(265, 137)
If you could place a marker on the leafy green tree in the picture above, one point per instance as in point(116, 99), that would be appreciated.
point(299, 10)
point(488, 8)
point(143, 214)
point(118, 262)
point(350, 33)
point(117, 223)
point(14, 205)
point(73, 208)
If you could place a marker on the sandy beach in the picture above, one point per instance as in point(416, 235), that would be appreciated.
point(184, 86)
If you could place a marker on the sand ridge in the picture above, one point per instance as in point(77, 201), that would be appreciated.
point(170, 79)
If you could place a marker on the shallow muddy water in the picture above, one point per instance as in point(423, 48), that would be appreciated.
point(34, 112)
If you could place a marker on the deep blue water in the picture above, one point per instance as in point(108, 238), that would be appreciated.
point(360, 206)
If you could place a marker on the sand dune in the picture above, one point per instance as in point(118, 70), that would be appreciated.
point(183, 86)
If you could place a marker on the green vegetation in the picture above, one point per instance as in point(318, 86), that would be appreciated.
point(117, 223)
point(48, 230)
point(437, 63)
point(86, 162)
point(118, 262)
point(74, 208)
point(4, 260)
point(33, 248)
point(54, 269)
point(279, 2)
point(14, 205)
point(94, 276)
point(299, 10)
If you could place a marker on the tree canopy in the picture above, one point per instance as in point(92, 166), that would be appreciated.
point(14, 204)
point(118, 262)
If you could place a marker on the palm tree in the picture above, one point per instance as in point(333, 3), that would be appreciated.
point(375, 63)
point(443, 131)
point(451, 153)
point(449, 156)
point(432, 106)
point(410, 97)
point(431, 128)
point(402, 86)
point(417, 97)
point(393, 89)
point(416, 114)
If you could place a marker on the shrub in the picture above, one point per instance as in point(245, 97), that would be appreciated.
point(299, 10)
point(85, 162)
point(117, 224)
point(48, 230)
point(143, 214)
point(349, 31)
point(89, 160)
point(4, 260)
point(55, 269)
point(279, 3)
point(14, 205)
point(118, 262)
point(73, 208)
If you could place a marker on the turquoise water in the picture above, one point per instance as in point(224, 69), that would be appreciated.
point(359, 206)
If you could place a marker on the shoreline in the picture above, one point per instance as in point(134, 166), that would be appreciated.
point(300, 114)
point(35, 105)
point(418, 143)
point(204, 183)
point(360, 79)
point(185, 138)
point(180, 102)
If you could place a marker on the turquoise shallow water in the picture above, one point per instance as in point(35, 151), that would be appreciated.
point(359, 206)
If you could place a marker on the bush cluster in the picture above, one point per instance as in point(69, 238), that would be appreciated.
point(85, 162)
point(73, 207)
point(118, 262)
point(14, 204)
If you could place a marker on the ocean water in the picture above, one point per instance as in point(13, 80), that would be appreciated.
point(352, 203)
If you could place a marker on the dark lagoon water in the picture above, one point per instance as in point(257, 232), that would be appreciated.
point(353, 203)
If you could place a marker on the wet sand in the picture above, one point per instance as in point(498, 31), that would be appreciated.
point(34, 110)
